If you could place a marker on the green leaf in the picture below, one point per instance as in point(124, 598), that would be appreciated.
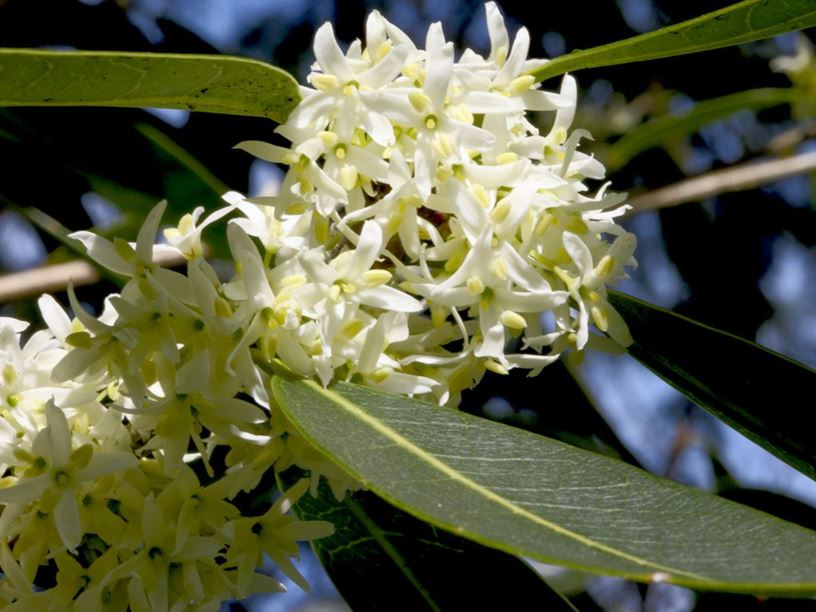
point(382, 558)
point(208, 83)
point(536, 497)
point(739, 23)
point(664, 129)
point(763, 395)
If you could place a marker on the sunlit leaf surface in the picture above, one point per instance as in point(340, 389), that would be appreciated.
point(208, 83)
point(533, 496)
point(739, 23)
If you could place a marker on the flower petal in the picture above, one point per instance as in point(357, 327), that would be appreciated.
point(66, 516)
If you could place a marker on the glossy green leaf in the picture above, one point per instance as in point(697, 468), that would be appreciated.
point(764, 395)
point(382, 558)
point(537, 497)
point(664, 129)
point(208, 83)
point(739, 23)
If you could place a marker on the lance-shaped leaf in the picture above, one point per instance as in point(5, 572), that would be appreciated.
point(663, 129)
point(380, 558)
point(537, 497)
point(208, 83)
point(739, 23)
point(765, 396)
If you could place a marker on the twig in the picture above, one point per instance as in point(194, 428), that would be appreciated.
point(739, 178)
point(47, 279)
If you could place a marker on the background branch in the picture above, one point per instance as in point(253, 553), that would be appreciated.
point(737, 178)
point(51, 278)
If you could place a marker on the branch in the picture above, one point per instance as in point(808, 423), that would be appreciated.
point(739, 178)
point(48, 279)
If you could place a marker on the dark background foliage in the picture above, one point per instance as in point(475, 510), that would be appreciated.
point(742, 262)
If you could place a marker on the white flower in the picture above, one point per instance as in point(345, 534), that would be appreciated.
point(61, 470)
point(187, 236)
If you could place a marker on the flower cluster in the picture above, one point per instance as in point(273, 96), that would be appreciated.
point(101, 500)
point(425, 232)
point(429, 222)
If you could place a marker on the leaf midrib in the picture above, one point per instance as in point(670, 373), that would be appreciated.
point(483, 491)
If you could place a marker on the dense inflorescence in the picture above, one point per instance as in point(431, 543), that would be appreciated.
point(425, 231)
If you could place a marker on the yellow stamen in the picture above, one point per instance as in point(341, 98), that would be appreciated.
point(513, 320)
point(81, 340)
point(348, 177)
point(521, 84)
point(508, 157)
point(374, 278)
point(500, 211)
point(438, 315)
point(324, 82)
point(329, 138)
point(499, 267)
point(495, 367)
point(481, 195)
point(475, 285)
point(351, 328)
point(419, 100)
point(604, 266)
point(544, 222)
point(600, 317)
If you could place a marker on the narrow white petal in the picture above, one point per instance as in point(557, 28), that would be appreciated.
point(483, 102)
point(174, 283)
point(74, 364)
point(521, 301)
point(103, 252)
point(405, 384)
point(580, 254)
point(537, 100)
point(25, 491)
point(618, 330)
point(54, 317)
point(515, 62)
point(438, 67)
point(582, 332)
point(147, 233)
point(375, 30)
point(387, 69)
point(368, 249)
point(499, 39)
point(424, 166)
point(565, 114)
point(265, 151)
point(494, 335)
point(102, 464)
point(239, 411)
point(293, 355)
point(329, 56)
point(59, 435)
point(372, 348)
point(494, 177)
point(16, 325)
point(531, 362)
point(379, 128)
point(473, 137)
point(388, 298)
point(368, 164)
point(66, 516)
